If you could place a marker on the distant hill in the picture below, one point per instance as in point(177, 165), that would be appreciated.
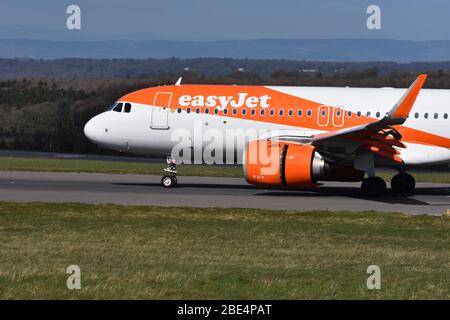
point(341, 50)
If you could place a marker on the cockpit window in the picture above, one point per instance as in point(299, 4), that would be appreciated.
point(127, 108)
point(118, 107)
point(112, 107)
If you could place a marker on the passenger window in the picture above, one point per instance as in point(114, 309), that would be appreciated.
point(299, 113)
point(309, 113)
point(179, 110)
point(323, 113)
point(118, 107)
point(244, 111)
point(416, 115)
point(338, 113)
point(225, 111)
point(253, 112)
point(261, 112)
point(368, 113)
point(290, 113)
point(281, 112)
point(206, 110)
point(358, 113)
point(349, 114)
point(216, 111)
point(425, 115)
point(188, 110)
point(436, 116)
point(127, 108)
point(197, 110)
point(272, 112)
point(378, 114)
point(445, 115)
point(234, 111)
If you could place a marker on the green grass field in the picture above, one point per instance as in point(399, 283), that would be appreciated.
point(56, 165)
point(190, 253)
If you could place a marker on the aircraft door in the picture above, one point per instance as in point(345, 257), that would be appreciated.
point(338, 117)
point(160, 110)
point(323, 116)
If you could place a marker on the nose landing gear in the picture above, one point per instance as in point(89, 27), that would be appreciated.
point(169, 180)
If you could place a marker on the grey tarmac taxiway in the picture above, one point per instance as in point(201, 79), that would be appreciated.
point(126, 189)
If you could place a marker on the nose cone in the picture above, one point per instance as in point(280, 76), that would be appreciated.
point(90, 130)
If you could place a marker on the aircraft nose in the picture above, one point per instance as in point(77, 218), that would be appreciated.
point(90, 130)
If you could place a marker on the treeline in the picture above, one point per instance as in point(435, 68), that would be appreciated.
point(76, 68)
point(49, 115)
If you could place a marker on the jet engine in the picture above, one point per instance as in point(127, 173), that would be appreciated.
point(287, 164)
point(275, 163)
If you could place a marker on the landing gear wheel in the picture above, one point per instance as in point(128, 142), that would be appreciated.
point(403, 183)
point(169, 181)
point(373, 187)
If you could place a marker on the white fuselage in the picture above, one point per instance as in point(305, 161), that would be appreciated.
point(156, 131)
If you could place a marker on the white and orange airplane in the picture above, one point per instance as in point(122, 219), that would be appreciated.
point(284, 136)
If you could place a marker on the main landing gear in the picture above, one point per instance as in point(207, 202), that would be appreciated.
point(169, 180)
point(402, 183)
point(373, 187)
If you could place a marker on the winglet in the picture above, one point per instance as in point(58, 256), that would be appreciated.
point(403, 106)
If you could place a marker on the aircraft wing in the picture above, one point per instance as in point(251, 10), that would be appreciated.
point(379, 137)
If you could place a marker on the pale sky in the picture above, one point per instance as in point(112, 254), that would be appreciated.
point(224, 19)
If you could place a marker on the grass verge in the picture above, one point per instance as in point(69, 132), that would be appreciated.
point(57, 165)
point(190, 253)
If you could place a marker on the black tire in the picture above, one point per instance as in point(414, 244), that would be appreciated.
point(403, 183)
point(373, 187)
point(168, 181)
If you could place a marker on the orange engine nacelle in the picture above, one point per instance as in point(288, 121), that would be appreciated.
point(278, 163)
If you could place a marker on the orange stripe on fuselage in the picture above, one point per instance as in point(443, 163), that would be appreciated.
point(422, 137)
point(277, 101)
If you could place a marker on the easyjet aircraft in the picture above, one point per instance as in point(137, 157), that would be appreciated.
point(309, 134)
